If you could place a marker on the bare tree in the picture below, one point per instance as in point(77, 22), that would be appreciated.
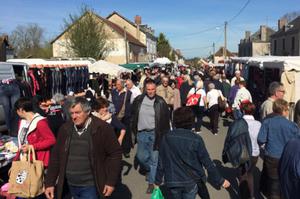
point(291, 15)
point(86, 36)
point(26, 40)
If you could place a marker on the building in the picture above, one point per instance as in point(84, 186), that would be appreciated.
point(123, 46)
point(219, 55)
point(143, 33)
point(6, 51)
point(286, 41)
point(257, 44)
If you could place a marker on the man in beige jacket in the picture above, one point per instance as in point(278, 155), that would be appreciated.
point(165, 91)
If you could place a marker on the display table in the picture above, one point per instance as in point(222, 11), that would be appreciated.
point(8, 149)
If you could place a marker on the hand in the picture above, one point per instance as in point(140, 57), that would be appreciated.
point(49, 192)
point(156, 186)
point(120, 140)
point(25, 148)
point(108, 190)
point(226, 184)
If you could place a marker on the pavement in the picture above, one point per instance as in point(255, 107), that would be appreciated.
point(134, 185)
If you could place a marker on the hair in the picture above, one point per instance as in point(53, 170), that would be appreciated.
point(58, 97)
point(84, 103)
point(273, 87)
point(248, 108)
point(243, 82)
point(100, 103)
point(199, 84)
point(297, 114)
point(279, 106)
point(149, 81)
point(237, 81)
point(25, 104)
point(211, 86)
point(183, 117)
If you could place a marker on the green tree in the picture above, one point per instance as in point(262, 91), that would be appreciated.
point(86, 35)
point(163, 46)
point(172, 57)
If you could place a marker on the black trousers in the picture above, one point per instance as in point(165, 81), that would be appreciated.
point(213, 113)
point(269, 181)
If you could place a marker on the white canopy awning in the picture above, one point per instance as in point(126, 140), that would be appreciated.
point(162, 60)
point(105, 67)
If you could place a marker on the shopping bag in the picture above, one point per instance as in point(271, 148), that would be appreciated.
point(26, 176)
point(157, 194)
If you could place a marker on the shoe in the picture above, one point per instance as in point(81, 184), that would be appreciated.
point(198, 132)
point(150, 189)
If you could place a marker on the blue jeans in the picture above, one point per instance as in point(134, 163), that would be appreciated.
point(84, 192)
point(147, 157)
point(184, 192)
point(9, 94)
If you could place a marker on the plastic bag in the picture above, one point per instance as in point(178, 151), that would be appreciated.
point(157, 194)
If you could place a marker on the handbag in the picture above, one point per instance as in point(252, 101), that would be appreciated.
point(157, 194)
point(221, 102)
point(202, 189)
point(193, 99)
point(121, 113)
point(26, 176)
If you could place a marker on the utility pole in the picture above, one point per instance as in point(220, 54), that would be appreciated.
point(214, 52)
point(225, 41)
point(126, 46)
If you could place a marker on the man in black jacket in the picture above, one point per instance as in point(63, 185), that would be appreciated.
point(150, 120)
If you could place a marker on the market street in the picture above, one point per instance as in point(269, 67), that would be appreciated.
point(135, 185)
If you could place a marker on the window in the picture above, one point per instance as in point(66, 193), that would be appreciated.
point(275, 47)
point(293, 43)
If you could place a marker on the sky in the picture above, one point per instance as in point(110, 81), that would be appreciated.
point(191, 26)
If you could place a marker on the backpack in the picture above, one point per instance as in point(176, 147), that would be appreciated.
point(237, 147)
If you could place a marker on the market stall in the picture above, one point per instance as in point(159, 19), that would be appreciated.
point(104, 67)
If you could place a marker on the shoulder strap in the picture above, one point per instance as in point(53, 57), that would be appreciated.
point(28, 129)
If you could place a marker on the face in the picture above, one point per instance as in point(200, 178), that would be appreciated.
point(280, 93)
point(78, 116)
point(103, 111)
point(286, 112)
point(119, 85)
point(238, 75)
point(173, 85)
point(165, 82)
point(20, 113)
point(151, 90)
point(129, 84)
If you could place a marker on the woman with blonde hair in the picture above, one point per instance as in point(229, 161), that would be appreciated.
point(200, 107)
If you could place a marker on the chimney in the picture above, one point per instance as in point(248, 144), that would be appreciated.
point(282, 23)
point(138, 22)
point(263, 33)
point(247, 35)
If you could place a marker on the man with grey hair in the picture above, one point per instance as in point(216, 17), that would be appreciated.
point(213, 107)
point(237, 76)
point(135, 91)
point(86, 147)
point(276, 91)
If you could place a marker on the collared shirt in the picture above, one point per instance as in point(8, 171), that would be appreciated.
point(266, 108)
point(241, 95)
point(86, 125)
point(275, 132)
point(135, 92)
point(253, 127)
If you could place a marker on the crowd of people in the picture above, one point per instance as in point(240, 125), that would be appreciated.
point(81, 140)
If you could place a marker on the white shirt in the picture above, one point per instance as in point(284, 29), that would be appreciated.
point(135, 91)
point(253, 127)
point(202, 95)
point(233, 80)
point(212, 97)
point(241, 95)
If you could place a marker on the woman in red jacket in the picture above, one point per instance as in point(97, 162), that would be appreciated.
point(34, 130)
